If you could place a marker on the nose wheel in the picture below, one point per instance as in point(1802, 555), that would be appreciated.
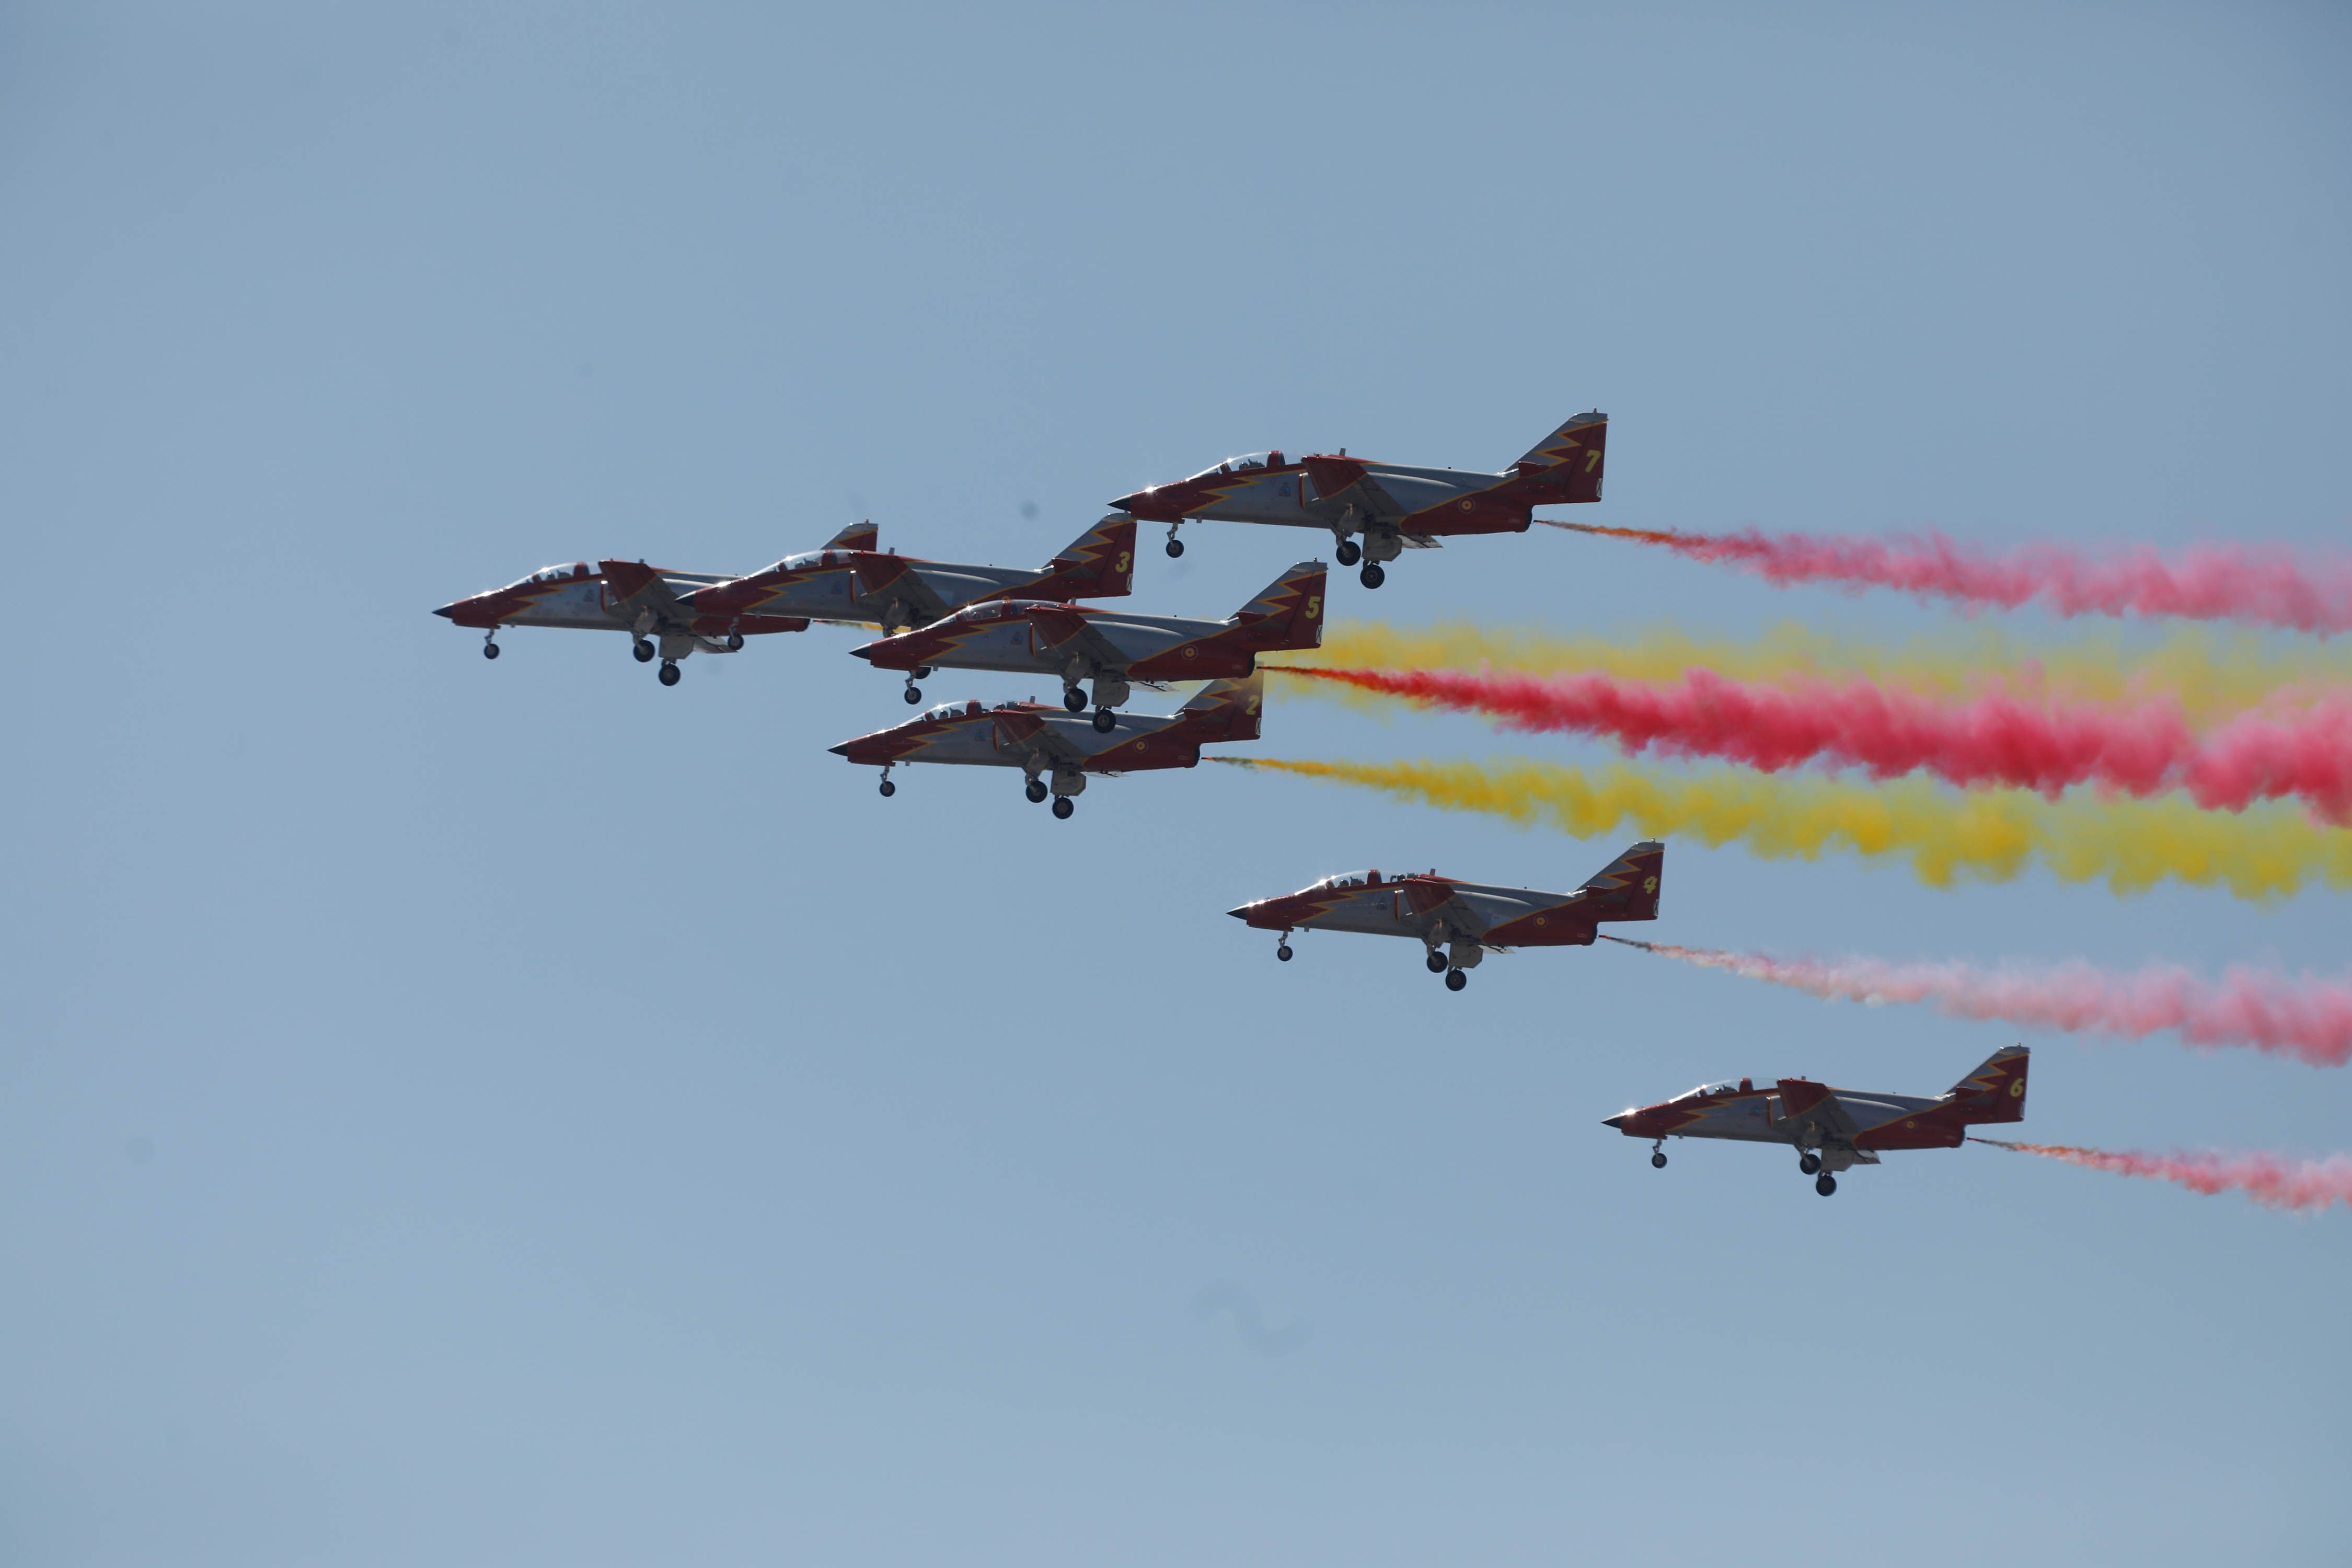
point(669, 673)
point(888, 789)
point(1282, 952)
point(1657, 1159)
point(490, 643)
point(914, 694)
point(1175, 545)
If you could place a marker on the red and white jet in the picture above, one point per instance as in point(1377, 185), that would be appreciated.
point(1832, 1128)
point(1056, 751)
point(1461, 922)
point(1392, 505)
point(1111, 648)
point(850, 580)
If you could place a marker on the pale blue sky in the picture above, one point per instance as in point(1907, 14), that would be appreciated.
point(515, 1113)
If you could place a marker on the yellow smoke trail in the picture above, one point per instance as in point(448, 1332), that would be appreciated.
point(1989, 835)
point(2212, 674)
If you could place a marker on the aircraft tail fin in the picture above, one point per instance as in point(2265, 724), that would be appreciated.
point(1224, 710)
point(1995, 1091)
point(1570, 458)
point(1098, 565)
point(1628, 889)
point(1293, 604)
point(857, 536)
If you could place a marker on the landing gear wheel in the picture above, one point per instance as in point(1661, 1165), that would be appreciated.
point(1075, 700)
point(734, 642)
point(1826, 1183)
point(1175, 548)
point(1062, 807)
point(1371, 576)
point(1809, 1164)
point(914, 695)
point(642, 651)
point(1455, 979)
point(489, 651)
point(669, 674)
point(1036, 790)
point(1349, 552)
point(1283, 952)
point(1105, 720)
point(888, 789)
point(1437, 963)
point(1658, 1159)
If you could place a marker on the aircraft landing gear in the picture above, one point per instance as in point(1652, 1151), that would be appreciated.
point(1074, 700)
point(1105, 720)
point(1371, 576)
point(642, 651)
point(1826, 1183)
point(489, 648)
point(914, 694)
point(1282, 952)
point(1455, 979)
point(1036, 790)
point(1436, 961)
point(1062, 807)
point(1175, 545)
point(1658, 1159)
point(670, 672)
point(1349, 552)
point(888, 789)
point(1809, 1163)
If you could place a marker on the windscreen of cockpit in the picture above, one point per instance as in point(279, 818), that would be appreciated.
point(1246, 463)
point(1707, 1089)
point(565, 573)
point(952, 711)
point(1352, 879)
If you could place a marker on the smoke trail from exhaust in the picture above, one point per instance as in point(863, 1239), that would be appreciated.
point(2254, 585)
point(1947, 837)
point(2271, 1180)
point(2303, 1016)
point(2142, 750)
point(2212, 674)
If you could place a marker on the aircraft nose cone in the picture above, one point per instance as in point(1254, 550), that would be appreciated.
point(840, 751)
point(1240, 914)
point(447, 611)
point(1616, 1122)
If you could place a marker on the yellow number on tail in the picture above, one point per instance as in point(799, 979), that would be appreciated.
point(1314, 606)
point(1124, 559)
point(1591, 459)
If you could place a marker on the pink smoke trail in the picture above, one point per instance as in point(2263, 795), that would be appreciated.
point(2140, 748)
point(2304, 1017)
point(2268, 1179)
point(2254, 584)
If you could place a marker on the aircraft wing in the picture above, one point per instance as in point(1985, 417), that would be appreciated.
point(895, 577)
point(1021, 732)
point(1805, 1101)
point(1062, 632)
point(643, 599)
point(1351, 479)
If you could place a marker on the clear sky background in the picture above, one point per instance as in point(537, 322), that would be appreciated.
point(469, 1112)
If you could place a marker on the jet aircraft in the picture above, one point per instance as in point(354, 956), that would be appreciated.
point(848, 580)
point(1391, 504)
point(1111, 648)
point(1832, 1128)
point(1056, 751)
point(1460, 922)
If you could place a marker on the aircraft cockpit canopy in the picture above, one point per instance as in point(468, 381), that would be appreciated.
point(1707, 1089)
point(565, 573)
point(1248, 462)
point(1352, 880)
point(953, 710)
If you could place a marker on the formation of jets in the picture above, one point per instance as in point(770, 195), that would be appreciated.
point(1041, 622)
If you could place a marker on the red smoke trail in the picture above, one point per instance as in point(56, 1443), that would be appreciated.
point(2256, 585)
point(2304, 1017)
point(2269, 1180)
point(2141, 748)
